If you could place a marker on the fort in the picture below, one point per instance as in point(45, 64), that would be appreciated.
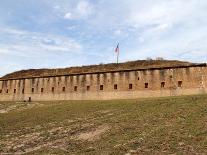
point(135, 79)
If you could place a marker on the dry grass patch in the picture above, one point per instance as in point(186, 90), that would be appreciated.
point(171, 125)
point(94, 134)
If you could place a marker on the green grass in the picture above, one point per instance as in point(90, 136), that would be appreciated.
point(145, 126)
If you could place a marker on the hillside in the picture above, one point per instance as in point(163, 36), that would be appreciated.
point(139, 64)
point(171, 125)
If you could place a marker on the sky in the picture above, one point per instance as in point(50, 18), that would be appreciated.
point(64, 33)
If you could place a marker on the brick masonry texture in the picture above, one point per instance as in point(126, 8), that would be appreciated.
point(118, 84)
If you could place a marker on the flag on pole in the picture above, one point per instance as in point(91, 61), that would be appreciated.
point(117, 48)
point(117, 51)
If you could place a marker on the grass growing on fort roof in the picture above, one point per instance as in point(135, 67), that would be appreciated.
point(143, 126)
point(139, 64)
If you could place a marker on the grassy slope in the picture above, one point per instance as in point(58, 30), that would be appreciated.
point(139, 64)
point(149, 126)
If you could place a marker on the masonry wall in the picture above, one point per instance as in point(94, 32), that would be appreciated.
point(111, 85)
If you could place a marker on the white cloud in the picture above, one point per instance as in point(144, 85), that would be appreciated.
point(118, 32)
point(30, 44)
point(23, 49)
point(68, 16)
point(72, 27)
point(56, 7)
point(141, 40)
point(166, 28)
point(174, 29)
point(82, 10)
point(11, 31)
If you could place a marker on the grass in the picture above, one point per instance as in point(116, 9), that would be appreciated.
point(138, 64)
point(171, 125)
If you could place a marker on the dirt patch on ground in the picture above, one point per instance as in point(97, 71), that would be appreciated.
point(106, 111)
point(57, 136)
point(6, 110)
point(22, 144)
point(93, 135)
point(19, 106)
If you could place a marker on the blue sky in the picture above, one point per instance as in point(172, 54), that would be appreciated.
point(63, 33)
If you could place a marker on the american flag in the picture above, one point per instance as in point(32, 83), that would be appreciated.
point(117, 48)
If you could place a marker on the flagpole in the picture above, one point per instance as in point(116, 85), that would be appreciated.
point(117, 59)
point(117, 51)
